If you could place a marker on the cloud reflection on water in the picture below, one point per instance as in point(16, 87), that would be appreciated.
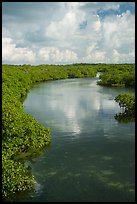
point(74, 105)
point(71, 108)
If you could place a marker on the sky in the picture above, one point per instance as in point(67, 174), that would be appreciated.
point(68, 32)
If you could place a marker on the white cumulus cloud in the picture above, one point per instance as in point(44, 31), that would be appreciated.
point(55, 55)
point(14, 54)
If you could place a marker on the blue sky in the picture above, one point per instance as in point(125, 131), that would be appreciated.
point(68, 32)
point(123, 8)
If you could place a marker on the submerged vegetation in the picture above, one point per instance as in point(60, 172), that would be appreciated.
point(21, 133)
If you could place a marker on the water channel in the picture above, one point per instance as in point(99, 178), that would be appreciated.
point(91, 155)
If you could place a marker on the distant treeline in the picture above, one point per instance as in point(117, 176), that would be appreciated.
point(21, 133)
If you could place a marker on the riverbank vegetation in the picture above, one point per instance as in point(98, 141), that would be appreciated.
point(127, 104)
point(21, 133)
point(120, 75)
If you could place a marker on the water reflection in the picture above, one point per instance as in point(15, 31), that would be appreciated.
point(125, 117)
point(72, 107)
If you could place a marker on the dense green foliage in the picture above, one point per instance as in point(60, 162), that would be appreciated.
point(127, 103)
point(117, 75)
point(21, 132)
